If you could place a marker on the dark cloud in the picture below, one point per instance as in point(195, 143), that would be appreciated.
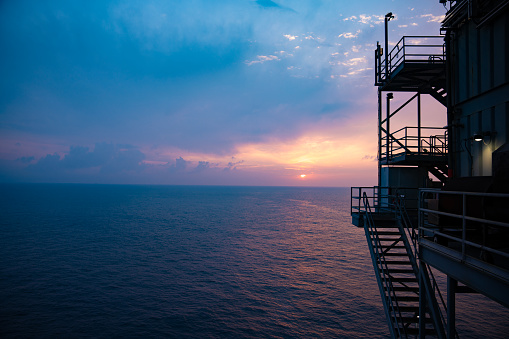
point(202, 166)
point(106, 158)
point(26, 160)
point(180, 165)
point(369, 157)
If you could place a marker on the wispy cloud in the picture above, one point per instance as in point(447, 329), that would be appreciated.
point(261, 59)
point(366, 19)
point(290, 37)
point(433, 18)
point(349, 35)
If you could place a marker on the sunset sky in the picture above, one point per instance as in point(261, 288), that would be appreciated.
point(227, 92)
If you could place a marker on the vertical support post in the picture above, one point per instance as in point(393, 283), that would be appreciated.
point(422, 303)
point(360, 197)
point(451, 306)
point(450, 95)
point(379, 138)
point(388, 126)
point(419, 123)
point(464, 226)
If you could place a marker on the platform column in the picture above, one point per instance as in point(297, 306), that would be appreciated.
point(452, 284)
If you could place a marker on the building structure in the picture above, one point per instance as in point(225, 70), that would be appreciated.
point(443, 192)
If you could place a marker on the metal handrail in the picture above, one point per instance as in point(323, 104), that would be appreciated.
point(383, 199)
point(404, 51)
point(377, 251)
point(405, 141)
point(428, 228)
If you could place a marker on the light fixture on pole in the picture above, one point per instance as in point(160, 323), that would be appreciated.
point(477, 137)
point(481, 136)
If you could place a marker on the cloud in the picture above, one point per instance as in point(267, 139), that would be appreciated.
point(104, 158)
point(290, 37)
point(202, 166)
point(26, 160)
point(349, 35)
point(261, 59)
point(433, 18)
point(355, 61)
point(180, 165)
point(366, 19)
point(200, 78)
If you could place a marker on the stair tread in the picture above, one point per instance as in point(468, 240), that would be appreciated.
point(385, 233)
point(398, 279)
point(398, 262)
point(405, 289)
point(401, 270)
point(407, 298)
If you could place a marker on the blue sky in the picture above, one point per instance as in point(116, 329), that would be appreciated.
point(195, 92)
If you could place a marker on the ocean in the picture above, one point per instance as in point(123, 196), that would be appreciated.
point(114, 261)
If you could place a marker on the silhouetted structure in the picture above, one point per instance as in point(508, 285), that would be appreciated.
point(443, 192)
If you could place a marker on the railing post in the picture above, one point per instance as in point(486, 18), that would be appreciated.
point(360, 197)
point(406, 139)
point(464, 224)
point(419, 123)
point(389, 97)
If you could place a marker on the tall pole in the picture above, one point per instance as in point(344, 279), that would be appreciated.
point(388, 18)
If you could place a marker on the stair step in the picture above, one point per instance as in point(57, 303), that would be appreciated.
point(415, 331)
point(398, 262)
point(399, 270)
point(414, 309)
point(414, 320)
point(389, 246)
point(395, 254)
point(405, 289)
point(385, 233)
point(407, 298)
point(397, 239)
point(398, 279)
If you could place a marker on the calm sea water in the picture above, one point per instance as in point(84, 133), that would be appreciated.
point(192, 262)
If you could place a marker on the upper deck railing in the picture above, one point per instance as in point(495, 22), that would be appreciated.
point(414, 49)
point(430, 141)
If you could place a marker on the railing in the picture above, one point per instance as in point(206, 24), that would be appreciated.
point(415, 49)
point(415, 140)
point(383, 199)
point(391, 306)
point(474, 224)
point(408, 228)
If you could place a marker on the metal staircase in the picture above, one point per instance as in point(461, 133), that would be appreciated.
point(397, 273)
point(438, 92)
point(440, 172)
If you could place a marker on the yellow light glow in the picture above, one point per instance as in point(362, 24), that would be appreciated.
point(302, 175)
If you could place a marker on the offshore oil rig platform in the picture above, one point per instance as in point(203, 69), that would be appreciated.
point(442, 199)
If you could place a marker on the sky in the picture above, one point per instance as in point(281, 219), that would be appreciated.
point(196, 92)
